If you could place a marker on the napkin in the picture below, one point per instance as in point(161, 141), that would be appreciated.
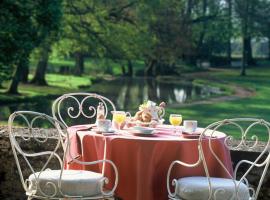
point(75, 150)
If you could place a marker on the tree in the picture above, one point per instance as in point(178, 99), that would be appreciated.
point(207, 18)
point(229, 18)
point(43, 52)
point(53, 34)
point(246, 10)
point(5, 73)
point(9, 40)
point(100, 29)
point(262, 20)
point(170, 30)
point(26, 24)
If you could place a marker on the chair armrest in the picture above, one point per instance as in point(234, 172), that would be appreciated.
point(174, 181)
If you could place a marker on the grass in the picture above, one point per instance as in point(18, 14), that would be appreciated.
point(57, 84)
point(256, 106)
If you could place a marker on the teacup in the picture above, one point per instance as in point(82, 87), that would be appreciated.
point(190, 125)
point(104, 125)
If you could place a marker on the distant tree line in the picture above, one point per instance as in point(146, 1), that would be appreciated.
point(159, 32)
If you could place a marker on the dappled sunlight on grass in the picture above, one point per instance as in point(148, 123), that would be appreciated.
point(68, 81)
point(57, 85)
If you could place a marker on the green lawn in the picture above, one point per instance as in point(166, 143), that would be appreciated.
point(257, 106)
point(57, 84)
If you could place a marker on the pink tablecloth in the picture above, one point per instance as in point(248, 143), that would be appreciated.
point(143, 162)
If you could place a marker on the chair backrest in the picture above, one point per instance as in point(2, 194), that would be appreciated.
point(38, 149)
point(36, 145)
point(79, 108)
point(245, 134)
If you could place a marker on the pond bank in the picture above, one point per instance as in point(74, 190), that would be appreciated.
point(31, 93)
point(237, 93)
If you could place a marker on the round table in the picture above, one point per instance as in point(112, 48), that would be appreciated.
point(143, 162)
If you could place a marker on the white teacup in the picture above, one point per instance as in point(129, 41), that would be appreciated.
point(104, 125)
point(190, 125)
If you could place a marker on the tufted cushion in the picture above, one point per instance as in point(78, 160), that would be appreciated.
point(74, 182)
point(196, 188)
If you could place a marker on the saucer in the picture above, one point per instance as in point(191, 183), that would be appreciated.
point(191, 135)
point(97, 130)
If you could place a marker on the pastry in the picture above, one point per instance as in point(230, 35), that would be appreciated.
point(138, 116)
point(146, 116)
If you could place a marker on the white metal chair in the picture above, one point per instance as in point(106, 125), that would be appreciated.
point(38, 153)
point(236, 187)
point(69, 107)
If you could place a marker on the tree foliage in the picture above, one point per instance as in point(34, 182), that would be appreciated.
point(24, 24)
point(159, 32)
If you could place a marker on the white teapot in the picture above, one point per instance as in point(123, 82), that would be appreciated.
point(157, 112)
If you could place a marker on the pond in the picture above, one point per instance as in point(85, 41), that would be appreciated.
point(128, 93)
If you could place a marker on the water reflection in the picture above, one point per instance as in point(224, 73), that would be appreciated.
point(127, 94)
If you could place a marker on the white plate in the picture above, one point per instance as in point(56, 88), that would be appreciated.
point(142, 130)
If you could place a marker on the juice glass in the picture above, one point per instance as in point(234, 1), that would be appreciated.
point(175, 120)
point(119, 117)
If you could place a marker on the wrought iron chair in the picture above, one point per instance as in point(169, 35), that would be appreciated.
point(236, 187)
point(69, 107)
point(38, 153)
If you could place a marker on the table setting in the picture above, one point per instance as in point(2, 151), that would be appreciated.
point(148, 121)
point(142, 147)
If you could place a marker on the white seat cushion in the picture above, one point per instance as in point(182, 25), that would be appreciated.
point(196, 188)
point(74, 182)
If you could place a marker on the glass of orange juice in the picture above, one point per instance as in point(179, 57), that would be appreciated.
point(119, 117)
point(175, 120)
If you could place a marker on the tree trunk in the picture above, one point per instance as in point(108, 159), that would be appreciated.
point(24, 64)
point(244, 57)
point(203, 31)
point(79, 63)
point(229, 50)
point(39, 77)
point(247, 51)
point(149, 67)
point(123, 69)
point(245, 39)
point(13, 88)
point(250, 60)
point(268, 48)
point(130, 68)
point(189, 8)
